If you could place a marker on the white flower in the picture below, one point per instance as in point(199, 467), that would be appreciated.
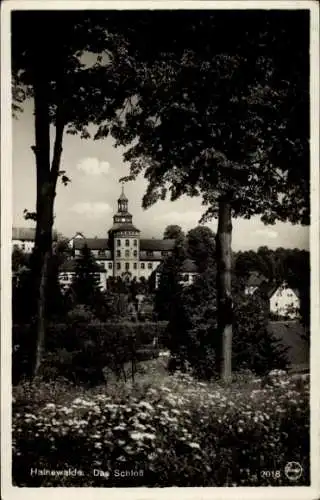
point(120, 428)
point(146, 405)
point(194, 445)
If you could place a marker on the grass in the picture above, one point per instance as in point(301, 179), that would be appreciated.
point(171, 430)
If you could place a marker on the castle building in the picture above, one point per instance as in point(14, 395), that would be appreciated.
point(124, 253)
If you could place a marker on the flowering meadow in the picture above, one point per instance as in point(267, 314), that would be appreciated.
point(162, 431)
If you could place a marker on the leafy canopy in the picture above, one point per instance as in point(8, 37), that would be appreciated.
point(221, 116)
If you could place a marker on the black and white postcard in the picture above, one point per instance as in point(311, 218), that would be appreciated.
point(160, 249)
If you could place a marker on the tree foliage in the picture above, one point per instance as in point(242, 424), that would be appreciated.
point(169, 285)
point(173, 231)
point(225, 118)
point(194, 337)
point(201, 246)
point(68, 95)
point(85, 287)
point(217, 115)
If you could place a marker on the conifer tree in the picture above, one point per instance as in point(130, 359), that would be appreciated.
point(169, 285)
point(85, 285)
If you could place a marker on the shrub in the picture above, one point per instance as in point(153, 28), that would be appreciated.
point(93, 345)
point(193, 331)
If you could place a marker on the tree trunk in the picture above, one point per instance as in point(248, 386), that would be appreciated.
point(46, 185)
point(41, 314)
point(225, 308)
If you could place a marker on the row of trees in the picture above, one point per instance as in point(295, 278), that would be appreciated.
point(274, 266)
point(192, 315)
point(201, 113)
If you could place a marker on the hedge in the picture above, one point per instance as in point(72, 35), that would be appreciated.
point(91, 346)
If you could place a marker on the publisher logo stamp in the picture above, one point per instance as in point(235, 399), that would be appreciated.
point(293, 471)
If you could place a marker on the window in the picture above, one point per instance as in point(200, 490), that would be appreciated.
point(150, 265)
point(164, 253)
point(119, 243)
point(127, 243)
point(110, 265)
point(118, 265)
point(149, 253)
point(142, 265)
point(134, 265)
point(23, 246)
point(118, 253)
point(64, 277)
point(184, 277)
point(127, 253)
point(135, 253)
point(135, 243)
point(101, 252)
point(127, 266)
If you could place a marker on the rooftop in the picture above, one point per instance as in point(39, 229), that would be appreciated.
point(92, 243)
point(28, 233)
point(70, 266)
point(153, 244)
point(269, 289)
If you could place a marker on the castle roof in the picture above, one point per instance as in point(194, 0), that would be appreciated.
point(104, 243)
point(153, 244)
point(188, 266)
point(28, 233)
point(92, 243)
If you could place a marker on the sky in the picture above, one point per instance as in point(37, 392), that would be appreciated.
point(88, 203)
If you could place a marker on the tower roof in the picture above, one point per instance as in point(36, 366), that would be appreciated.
point(122, 196)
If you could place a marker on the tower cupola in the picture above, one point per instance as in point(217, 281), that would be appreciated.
point(122, 202)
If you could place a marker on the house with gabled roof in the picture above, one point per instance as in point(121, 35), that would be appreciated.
point(255, 280)
point(284, 301)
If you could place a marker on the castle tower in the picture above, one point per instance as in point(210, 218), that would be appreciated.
point(125, 238)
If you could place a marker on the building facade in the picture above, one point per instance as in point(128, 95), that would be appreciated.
point(124, 253)
point(285, 302)
point(23, 238)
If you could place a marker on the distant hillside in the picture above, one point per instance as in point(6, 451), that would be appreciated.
point(290, 333)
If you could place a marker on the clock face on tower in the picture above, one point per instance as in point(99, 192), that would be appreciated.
point(123, 219)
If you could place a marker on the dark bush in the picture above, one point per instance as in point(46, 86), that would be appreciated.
point(92, 347)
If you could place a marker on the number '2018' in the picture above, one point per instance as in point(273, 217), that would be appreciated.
point(275, 474)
